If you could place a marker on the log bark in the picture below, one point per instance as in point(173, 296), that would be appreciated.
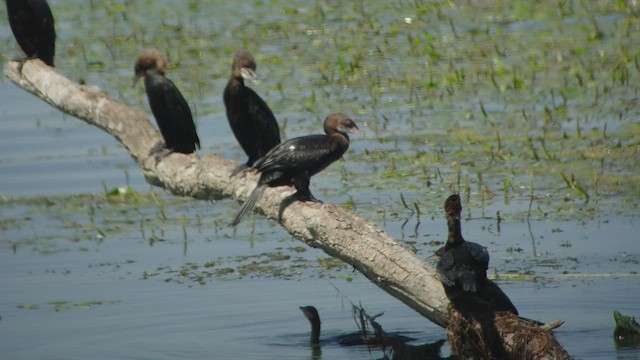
point(340, 233)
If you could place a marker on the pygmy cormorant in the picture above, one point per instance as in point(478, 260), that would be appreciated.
point(464, 263)
point(32, 25)
point(463, 268)
point(168, 106)
point(251, 120)
point(294, 161)
point(350, 339)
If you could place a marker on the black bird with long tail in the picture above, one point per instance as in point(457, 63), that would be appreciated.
point(294, 161)
point(463, 267)
point(33, 27)
point(170, 109)
point(252, 122)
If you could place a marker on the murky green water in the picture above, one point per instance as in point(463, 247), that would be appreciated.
point(497, 100)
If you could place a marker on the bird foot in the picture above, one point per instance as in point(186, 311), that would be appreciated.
point(297, 196)
point(304, 197)
point(239, 170)
point(20, 61)
point(159, 146)
point(158, 156)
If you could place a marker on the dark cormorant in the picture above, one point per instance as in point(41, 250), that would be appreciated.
point(311, 313)
point(251, 120)
point(32, 24)
point(168, 106)
point(294, 161)
point(463, 263)
point(350, 339)
point(463, 268)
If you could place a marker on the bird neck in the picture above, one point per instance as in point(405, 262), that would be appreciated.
point(340, 137)
point(234, 86)
point(455, 230)
point(154, 73)
point(236, 80)
point(236, 76)
point(315, 332)
point(152, 77)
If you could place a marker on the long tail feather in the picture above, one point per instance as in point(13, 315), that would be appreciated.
point(248, 205)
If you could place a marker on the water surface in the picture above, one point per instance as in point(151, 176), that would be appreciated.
point(452, 97)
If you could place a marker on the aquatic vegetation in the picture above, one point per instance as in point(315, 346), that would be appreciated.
point(92, 218)
point(447, 90)
point(527, 109)
point(484, 99)
point(627, 331)
point(64, 305)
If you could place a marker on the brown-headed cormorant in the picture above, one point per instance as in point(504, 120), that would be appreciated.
point(32, 24)
point(463, 268)
point(251, 120)
point(168, 106)
point(294, 161)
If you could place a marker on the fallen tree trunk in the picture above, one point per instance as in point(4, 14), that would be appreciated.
point(340, 233)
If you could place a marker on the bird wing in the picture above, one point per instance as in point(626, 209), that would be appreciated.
point(479, 253)
point(445, 269)
point(173, 116)
point(46, 37)
point(297, 154)
point(264, 122)
point(497, 298)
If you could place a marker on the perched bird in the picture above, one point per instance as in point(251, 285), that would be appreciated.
point(32, 25)
point(463, 263)
point(168, 106)
point(251, 120)
point(463, 268)
point(294, 161)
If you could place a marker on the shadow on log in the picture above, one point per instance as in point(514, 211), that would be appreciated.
point(338, 232)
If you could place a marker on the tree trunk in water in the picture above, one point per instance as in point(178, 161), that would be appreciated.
point(340, 233)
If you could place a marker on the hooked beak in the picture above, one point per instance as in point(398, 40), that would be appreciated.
point(356, 131)
point(135, 80)
point(249, 75)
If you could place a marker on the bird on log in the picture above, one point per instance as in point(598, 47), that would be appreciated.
point(32, 24)
point(252, 122)
point(294, 161)
point(463, 267)
point(169, 107)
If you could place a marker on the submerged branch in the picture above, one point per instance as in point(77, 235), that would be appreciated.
point(340, 233)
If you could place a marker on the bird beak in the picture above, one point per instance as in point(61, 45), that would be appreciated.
point(135, 80)
point(249, 75)
point(356, 131)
